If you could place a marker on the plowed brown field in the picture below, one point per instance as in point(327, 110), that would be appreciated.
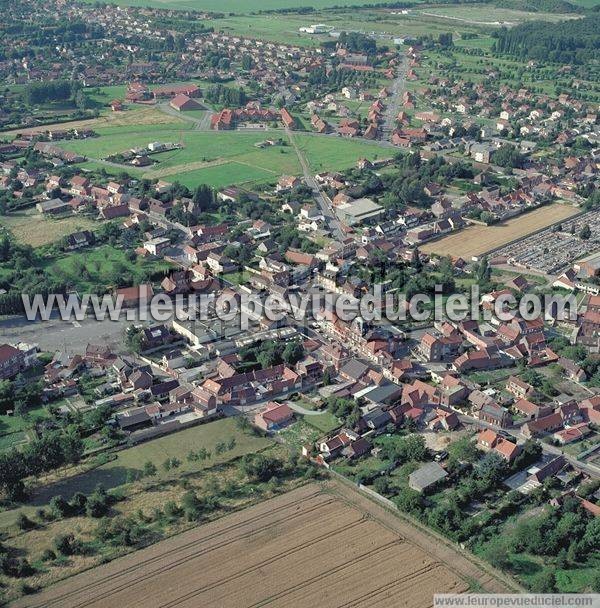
point(318, 545)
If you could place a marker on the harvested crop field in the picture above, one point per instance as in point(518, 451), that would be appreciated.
point(476, 240)
point(322, 544)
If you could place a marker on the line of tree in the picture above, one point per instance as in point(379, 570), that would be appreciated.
point(545, 6)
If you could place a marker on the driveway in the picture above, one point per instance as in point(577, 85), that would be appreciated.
point(302, 410)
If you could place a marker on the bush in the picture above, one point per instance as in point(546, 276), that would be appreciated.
point(15, 567)
point(48, 555)
point(59, 507)
point(97, 506)
point(544, 582)
point(120, 531)
point(24, 523)
point(78, 503)
point(259, 467)
point(42, 514)
point(98, 503)
point(67, 544)
point(172, 509)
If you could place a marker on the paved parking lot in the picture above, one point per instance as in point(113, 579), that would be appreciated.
point(69, 336)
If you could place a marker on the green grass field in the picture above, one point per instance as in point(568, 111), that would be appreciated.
point(10, 440)
point(177, 445)
point(198, 147)
point(324, 423)
point(222, 175)
point(334, 153)
point(13, 428)
point(13, 424)
point(104, 95)
point(104, 266)
point(221, 158)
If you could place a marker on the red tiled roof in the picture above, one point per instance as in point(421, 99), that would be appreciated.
point(7, 352)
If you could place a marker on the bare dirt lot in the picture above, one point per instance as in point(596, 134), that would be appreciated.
point(321, 544)
point(476, 240)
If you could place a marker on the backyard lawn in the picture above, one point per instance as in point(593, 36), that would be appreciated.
point(325, 422)
point(13, 428)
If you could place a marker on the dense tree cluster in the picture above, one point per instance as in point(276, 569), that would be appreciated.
point(19, 394)
point(51, 451)
point(357, 42)
point(508, 156)
point(574, 41)
point(269, 353)
point(337, 78)
point(578, 353)
point(347, 410)
point(57, 90)
point(535, 6)
point(21, 274)
point(231, 97)
point(405, 186)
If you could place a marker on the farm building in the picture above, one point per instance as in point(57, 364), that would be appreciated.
point(183, 103)
point(53, 207)
point(589, 267)
point(359, 211)
point(133, 296)
point(190, 90)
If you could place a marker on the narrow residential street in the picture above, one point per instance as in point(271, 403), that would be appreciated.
point(324, 205)
point(394, 101)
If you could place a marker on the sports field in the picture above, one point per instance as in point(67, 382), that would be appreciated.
point(317, 545)
point(476, 240)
